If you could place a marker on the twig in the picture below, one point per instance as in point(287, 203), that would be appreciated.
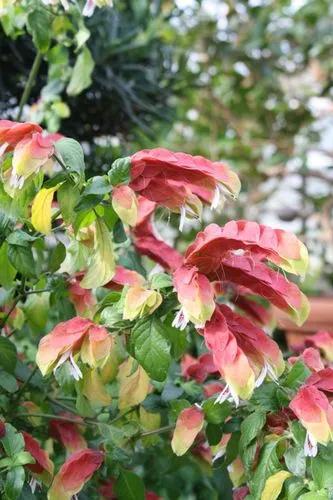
point(24, 385)
point(161, 430)
point(61, 163)
point(57, 417)
point(29, 84)
point(5, 319)
point(118, 417)
point(62, 405)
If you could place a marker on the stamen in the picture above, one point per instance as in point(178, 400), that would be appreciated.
point(227, 394)
point(3, 148)
point(218, 455)
point(65, 4)
point(75, 370)
point(216, 199)
point(271, 373)
point(234, 396)
point(89, 8)
point(62, 360)
point(262, 376)
point(33, 484)
point(182, 218)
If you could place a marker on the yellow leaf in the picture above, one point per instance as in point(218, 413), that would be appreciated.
point(274, 484)
point(94, 389)
point(41, 210)
point(101, 266)
point(133, 387)
point(149, 421)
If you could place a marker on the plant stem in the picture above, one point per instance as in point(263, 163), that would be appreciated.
point(161, 430)
point(56, 417)
point(61, 163)
point(24, 385)
point(118, 417)
point(87, 421)
point(29, 84)
point(20, 295)
point(5, 319)
point(61, 405)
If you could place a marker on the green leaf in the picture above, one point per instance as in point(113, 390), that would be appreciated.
point(119, 233)
point(72, 155)
point(251, 426)
point(298, 432)
point(64, 377)
point(14, 483)
point(295, 461)
point(37, 309)
point(160, 280)
point(129, 486)
point(56, 257)
point(297, 375)
point(83, 406)
point(248, 456)
point(7, 271)
point(119, 435)
point(151, 349)
point(171, 391)
point(39, 23)
point(293, 488)
point(6, 225)
point(214, 434)
point(232, 425)
point(97, 185)
point(177, 338)
point(8, 382)
point(26, 493)
point(131, 260)
point(12, 442)
point(232, 451)
point(178, 405)
point(21, 238)
point(265, 397)
point(110, 316)
point(120, 171)
point(23, 373)
point(314, 495)
point(322, 472)
point(7, 355)
point(216, 413)
point(88, 202)
point(21, 258)
point(81, 75)
point(268, 465)
point(68, 196)
point(22, 458)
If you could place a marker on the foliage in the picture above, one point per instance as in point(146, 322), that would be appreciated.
point(120, 59)
point(262, 100)
point(130, 367)
point(116, 332)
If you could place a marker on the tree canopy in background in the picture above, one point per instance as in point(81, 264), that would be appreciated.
point(263, 101)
